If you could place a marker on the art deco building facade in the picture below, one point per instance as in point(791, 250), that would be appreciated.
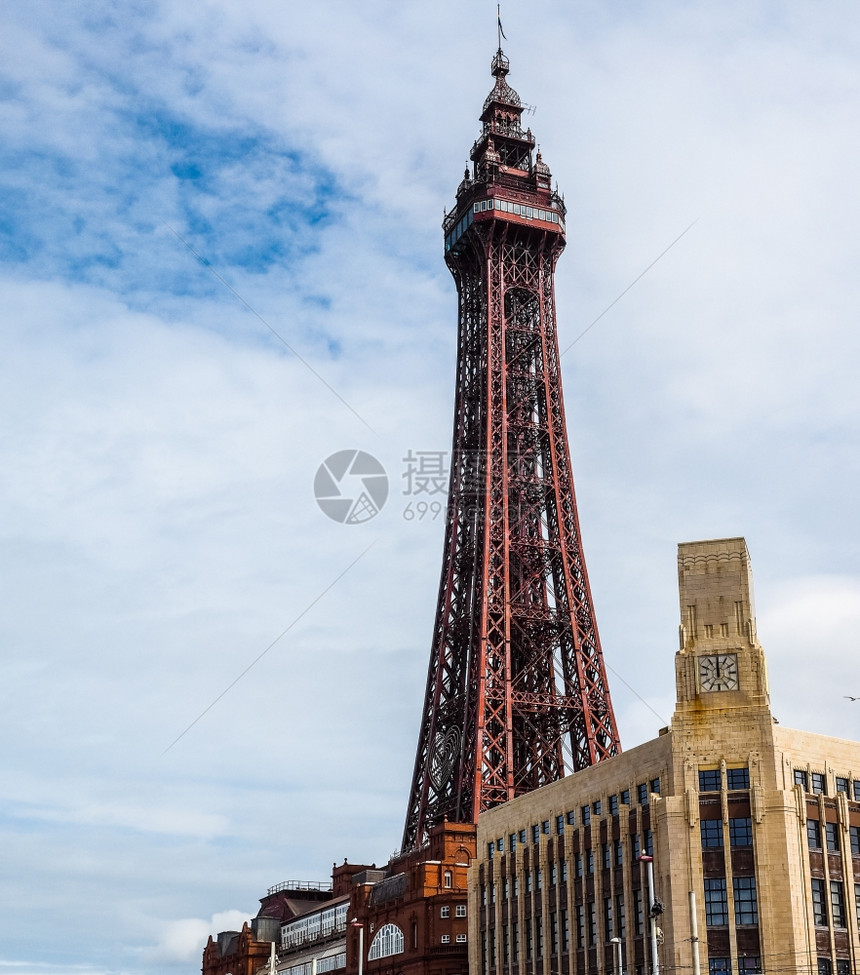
point(754, 829)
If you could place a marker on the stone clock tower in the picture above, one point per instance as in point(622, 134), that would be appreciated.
point(720, 664)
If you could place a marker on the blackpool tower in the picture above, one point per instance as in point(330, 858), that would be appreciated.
point(516, 691)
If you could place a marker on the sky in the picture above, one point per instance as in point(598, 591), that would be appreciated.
point(220, 230)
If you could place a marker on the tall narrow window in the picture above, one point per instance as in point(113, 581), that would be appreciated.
point(746, 903)
point(854, 837)
point(831, 832)
point(740, 831)
point(837, 904)
point(447, 878)
point(819, 783)
point(819, 903)
point(716, 902)
point(801, 778)
point(813, 834)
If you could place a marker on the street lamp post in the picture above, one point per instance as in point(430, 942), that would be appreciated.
point(617, 943)
point(655, 910)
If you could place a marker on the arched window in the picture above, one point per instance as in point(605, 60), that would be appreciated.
point(388, 940)
point(447, 878)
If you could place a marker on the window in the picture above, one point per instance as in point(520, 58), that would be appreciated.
point(571, 818)
point(516, 887)
point(857, 902)
point(841, 785)
point(559, 825)
point(619, 853)
point(528, 881)
point(447, 878)
point(598, 807)
point(843, 966)
point(634, 845)
point(607, 856)
point(854, 836)
point(819, 903)
point(801, 779)
point(461, 939)
point(515, 937)
point(716, 901)
point(446, 938)
point(491, 850)
point(709, 780)
point(580, 926)
point(607, 918)
point(857, 790)
point(717, 966)
point(460, 910)
point(655, 786)
point(813, 834)
point(737, 778)
point(388, 940)
point(740, 831)
point(578, 865)
point(564, 871)
point(712, 833)
point(535, 833)
point(513, 841)
point(638, 914)
point(819, 784)
point(620, 917)
point(445, 912)
point(545, 827)
point(590, 861)
point(505, 889)
point(553, 874)
point(824, 966)
point(837, 904)
point(613, 805)
point(642, 794)
point(592, 923)
point(649, 842)
point(831, 832)
point(538, 879)
point(523, 837)
point(539, 935)
point(586, 815)
point(625, 797)
point(746, 903)
point(553, 934)
point(565, 932)
point(749, 964)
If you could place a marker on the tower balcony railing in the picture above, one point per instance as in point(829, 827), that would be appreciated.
point(299, 885)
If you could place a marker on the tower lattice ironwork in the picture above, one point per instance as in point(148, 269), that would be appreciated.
point(517, 691)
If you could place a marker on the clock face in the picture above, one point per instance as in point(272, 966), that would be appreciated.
point(718, 672)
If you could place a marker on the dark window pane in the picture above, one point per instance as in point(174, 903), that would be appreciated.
point(712, 832)
point(709, 780)
point(716, 901)
point(737, 778)
point(746, 904)
point(740, 831)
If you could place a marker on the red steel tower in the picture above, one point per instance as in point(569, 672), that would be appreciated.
point(516, 692)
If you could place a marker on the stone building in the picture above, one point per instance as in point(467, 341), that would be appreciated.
point(754, 829)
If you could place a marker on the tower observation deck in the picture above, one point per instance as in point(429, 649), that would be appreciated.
point(516, 690)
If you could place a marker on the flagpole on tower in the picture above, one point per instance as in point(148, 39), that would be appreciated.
point(499, 24)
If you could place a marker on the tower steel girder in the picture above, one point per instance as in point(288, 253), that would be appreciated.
point(516, 689)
